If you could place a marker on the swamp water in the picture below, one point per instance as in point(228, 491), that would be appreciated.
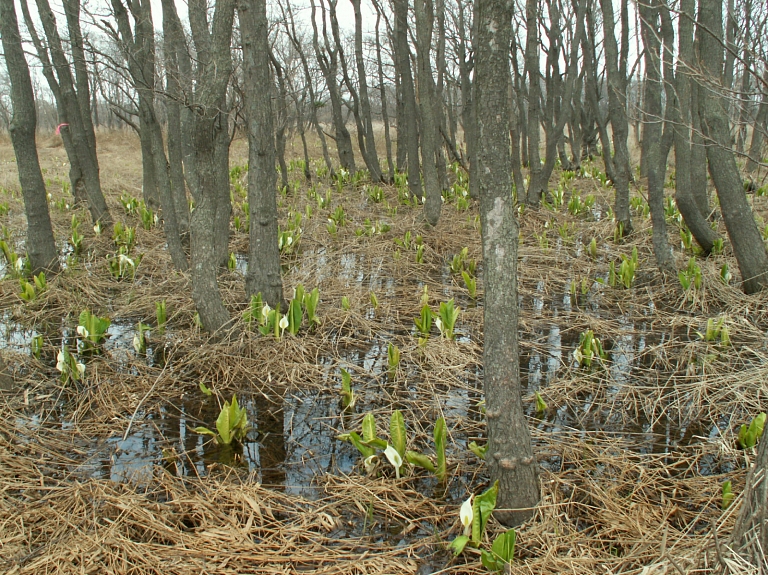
point(293, 437)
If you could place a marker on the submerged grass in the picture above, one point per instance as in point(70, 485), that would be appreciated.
point(633, 454)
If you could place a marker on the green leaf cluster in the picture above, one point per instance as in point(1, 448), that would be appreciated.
point(748, 436)
point(482, 507)
point(231, 425)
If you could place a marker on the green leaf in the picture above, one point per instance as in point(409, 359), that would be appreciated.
point(364, 449)
point(204, 431)
point(541, 405)
point(728, 495)
point(205, 390)
point(369, 427)
point(295, 315)
point(439, 435)
point(504, 546)
point(420, 460)
point(483, 506)
point(458, 544)
point(223, 423)
point(397, 432)
point(490, 562)
point(477, 450)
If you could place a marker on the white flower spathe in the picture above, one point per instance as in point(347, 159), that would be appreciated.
point(394, 458)
point(370, 463)
point(82, 332)
point(467, 515)
point(60, 363)
point(283, 322)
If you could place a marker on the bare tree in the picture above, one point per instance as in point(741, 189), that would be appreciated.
point(742, 229)
point(263, 253)
point(83, 139)
point(510, 456)
point(616, 71)
point(214, 64)
point(424, 25)
point(328, 60)
point(138, 45)
point(41, 247)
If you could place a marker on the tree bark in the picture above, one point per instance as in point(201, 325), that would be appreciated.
point(655, 158)
point(139, 51)
point(510, 456)
point(750, 534)
point(383, 98)
point(745, 237)
point(263, 253)
point(536, 188)
point(691, 211)
point(41, 247)
point(329, 65)
point(424, 24)
point(615, 65)
point(366, 120)
point(75, 172)
point(407, 129)
point(214, 68)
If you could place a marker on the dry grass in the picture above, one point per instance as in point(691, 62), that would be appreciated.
point(633, 456)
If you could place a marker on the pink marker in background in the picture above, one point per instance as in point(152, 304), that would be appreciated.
point(58, 128)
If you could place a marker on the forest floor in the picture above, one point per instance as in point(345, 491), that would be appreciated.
point(106, 475)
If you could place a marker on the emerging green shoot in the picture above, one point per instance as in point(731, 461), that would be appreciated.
point(748, 436)
point(728, 495)
point(231, 425)
point(347, 395)
point(424, 322)
point(589, 349)
point(447, 316)
point(160, 315)
point(91, 331)
point(393, 359)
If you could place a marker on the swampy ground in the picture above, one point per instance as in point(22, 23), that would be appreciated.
point(106, 475)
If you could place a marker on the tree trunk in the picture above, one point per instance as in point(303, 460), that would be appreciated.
point(41, 247)
point(224, 198)
point(742, 230)
point(86, 154)
point(75, 172)
point(536, 187)
point(750, 534)
point(172, 44)
point(694, 218)
point(759, 128)
point(407, 130)
point(617, 103)
point(310, 89)
point(424, 23)
point(139, 51)
point(281, 116)
point(214, 67)
point(263, 253)
point(655, 159)
point(383, 98)
point(329, 64)
point(149, 191)
point(510, 457)
point(371, 156)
